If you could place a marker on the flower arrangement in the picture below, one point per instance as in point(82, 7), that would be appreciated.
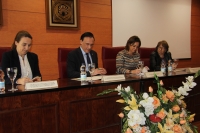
point(161, 112)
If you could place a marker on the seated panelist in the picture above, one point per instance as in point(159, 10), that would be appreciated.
point(83, 54)
point(20, 57)
point(127, 59)
point(161, 54)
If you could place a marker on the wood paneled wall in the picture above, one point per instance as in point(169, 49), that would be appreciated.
point(95, 16)
point(195, 37)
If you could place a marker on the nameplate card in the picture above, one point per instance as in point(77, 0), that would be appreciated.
point(41, 85)
point(151, 74)
point(113, 77)
point(194, 69)
point(181, 70)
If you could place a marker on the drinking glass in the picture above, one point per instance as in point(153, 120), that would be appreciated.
point(12, 73)
point(91, 68)
point(140, 66)
point(175, 64)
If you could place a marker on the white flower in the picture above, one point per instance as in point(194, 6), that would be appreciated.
point(127, 89)
point(176, 93)
point(186, 86)
point(148, 101)
point(192, 84)
point(136, 117)
point(190, 78)
point(182, 91)
point(149, 110)
point(119, 88)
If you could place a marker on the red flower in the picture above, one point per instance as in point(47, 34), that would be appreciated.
point(154, 118)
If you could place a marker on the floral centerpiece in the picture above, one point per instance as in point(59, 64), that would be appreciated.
point(161, 112)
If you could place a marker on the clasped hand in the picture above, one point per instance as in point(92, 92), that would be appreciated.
point(99, 71)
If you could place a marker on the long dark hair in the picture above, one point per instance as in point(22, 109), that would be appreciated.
point(18, 37)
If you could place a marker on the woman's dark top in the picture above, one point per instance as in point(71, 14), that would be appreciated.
point(11, 59)
point(155, 60)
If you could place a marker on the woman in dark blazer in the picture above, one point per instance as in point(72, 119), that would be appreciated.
point(160, 54)
point(20, 57)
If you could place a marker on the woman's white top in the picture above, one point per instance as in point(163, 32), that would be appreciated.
point(25, 67)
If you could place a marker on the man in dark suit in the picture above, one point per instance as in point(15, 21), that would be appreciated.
point(79, 56)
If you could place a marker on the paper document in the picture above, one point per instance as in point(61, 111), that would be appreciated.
point(89, 78)
point(113, 77)
point(151, 74)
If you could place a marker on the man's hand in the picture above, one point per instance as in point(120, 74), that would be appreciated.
point(100, 71)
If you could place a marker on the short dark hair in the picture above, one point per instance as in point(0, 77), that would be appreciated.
point(18, 37)
point(164, 44)
point(86, 34)
point(132, 40)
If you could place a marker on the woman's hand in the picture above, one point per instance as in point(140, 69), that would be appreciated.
point(37, 78)
point(136, 71)
point(24, 80)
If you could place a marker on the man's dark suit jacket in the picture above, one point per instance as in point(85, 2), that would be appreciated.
point(74, 61)
point(155, 60)
point(11, 59)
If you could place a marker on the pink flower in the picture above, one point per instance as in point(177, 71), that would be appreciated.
point(128, 130)
point(161, 83)
point(143, 130)
point(161, 114)
point(170, 95)
point(150, 89)
point(121, 115)
point(175, 108)
point(156, 102)
point(177, 129)
point(182, 122)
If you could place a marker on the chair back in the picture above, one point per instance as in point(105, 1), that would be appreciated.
point(3, 50)
point(62, 61)
point(109, 58)
point(145, 55)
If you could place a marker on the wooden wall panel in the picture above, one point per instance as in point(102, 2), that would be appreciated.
point(105, 2)
point(95, 16)
point(95, 10)
point(24, 5)
point(195, 7)
point(195, 20)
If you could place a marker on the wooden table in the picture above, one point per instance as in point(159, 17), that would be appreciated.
point(75, 108)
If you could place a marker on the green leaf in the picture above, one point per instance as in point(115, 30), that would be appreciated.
point(106, 92)
point(197, 74)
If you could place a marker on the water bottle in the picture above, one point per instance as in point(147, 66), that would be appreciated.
point(2, 81)
point(169, 66)
point(83, 74)
point(162, 67)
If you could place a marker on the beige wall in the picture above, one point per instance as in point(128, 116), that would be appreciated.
point(95, 16)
